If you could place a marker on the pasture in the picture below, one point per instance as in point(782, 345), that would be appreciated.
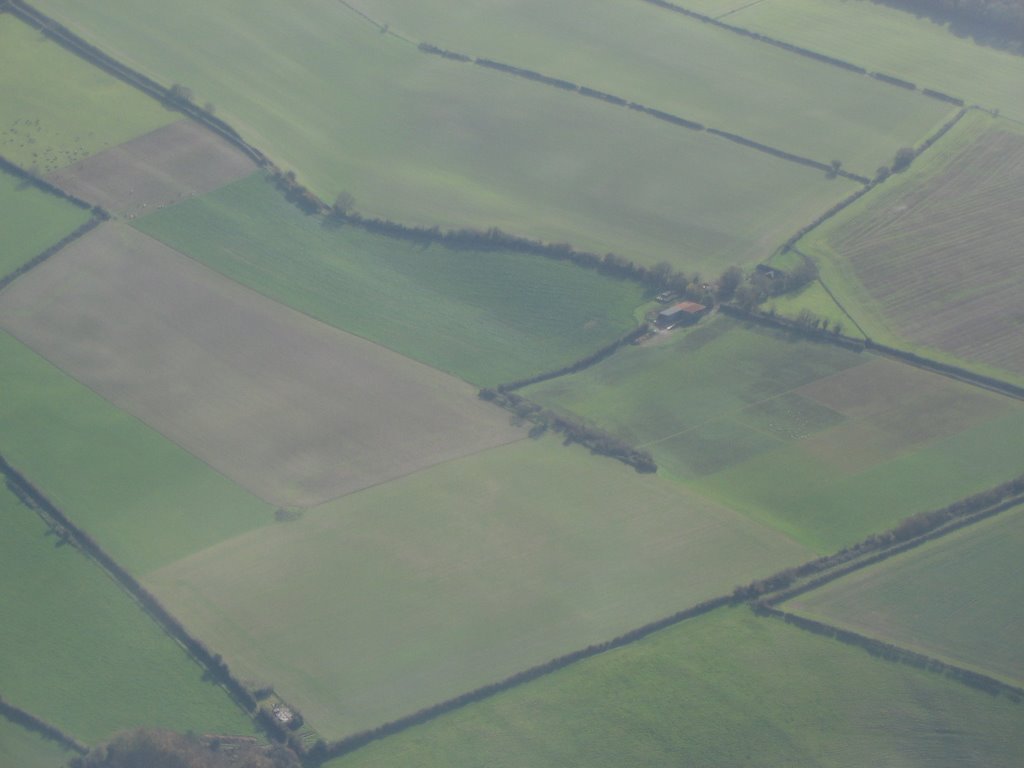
point(414, 591)
point(25, 749)
point(289, 408)
point(932, 258)
point(427, 141)
point(487, 317)
point(56, 109)
point(78, 652)
point(897, 43)
point(727, 688)
point(162, 167)
point(31, 221)
point(824, 443)
point(959, 598)
point(146, 500)
point(725, 81)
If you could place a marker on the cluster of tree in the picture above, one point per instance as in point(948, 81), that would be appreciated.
point(30, 722)
point(909, 533)
point(216, 668)
point(598, 441)
point(750, 290)
point(157, 748)
point(428, 48)
point(300, 196)
point(894, 81)
point(897, 654)
point(993, 21)
point(529, 74)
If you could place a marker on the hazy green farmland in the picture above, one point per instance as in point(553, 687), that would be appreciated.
point(631, 49)
point(428, 141)
point(487, 317)
point(146, 500)
point(932, 257)
point(24, 749)
point(31, 220)
point(895, 42)
point(399, 596)
point(77, 651)
point(959, 598)
point(55, 108)
point(291, 409)
point(826, 444)
point(725, 689)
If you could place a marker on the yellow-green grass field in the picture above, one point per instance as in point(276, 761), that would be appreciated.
point(31, 220)
point(291, 409)
point(80, 653)
point(825, 443)
point(726, 689)
point(147, 501)
point(56, 108)
point(25, 749)
point(958, 598)
point(931, 259)
point(488, 317)
point(427, 141)
point(669, 62)
point(400, 596)
point(897, 43)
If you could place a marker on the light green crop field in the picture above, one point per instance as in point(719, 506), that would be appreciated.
point(415, 591)
point(827, 444)
point(31, 220)
point(488, 317)
point(931, 259)
point(25, 749)
point(897, 43)
point(959, 598)
point(78, 652)
point(144, 499)
point(56, 108)
point(427, 141)
point(669, 62)
point(723, 689)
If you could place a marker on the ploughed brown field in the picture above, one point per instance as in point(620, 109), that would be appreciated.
point(944, 259)
point(292, 409)
point(157, 169)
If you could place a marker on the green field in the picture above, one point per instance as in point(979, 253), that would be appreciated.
point(827, 444)
point(24, 749)
point(896, 43)
point(79, 653)
point(394, 598)
point(959, 598)
point(488, 317)
point(931, 258)
point(55, 108)
point(31, 220)
point(726, 689)
point(145, 500)
point(428, 141)
point(632, 50)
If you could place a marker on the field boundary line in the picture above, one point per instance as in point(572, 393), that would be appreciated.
point(351, 743)
point(384, 29)
point(897, 653)
point(805, 52)
point(67, 39)
point(618, 101)
point(214, 666)
point(24, 719)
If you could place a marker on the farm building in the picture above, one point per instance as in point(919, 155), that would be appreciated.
point(683, 313)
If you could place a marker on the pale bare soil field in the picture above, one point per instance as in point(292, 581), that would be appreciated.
point(292, 409)
point(160, 168)
point(944, 259)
